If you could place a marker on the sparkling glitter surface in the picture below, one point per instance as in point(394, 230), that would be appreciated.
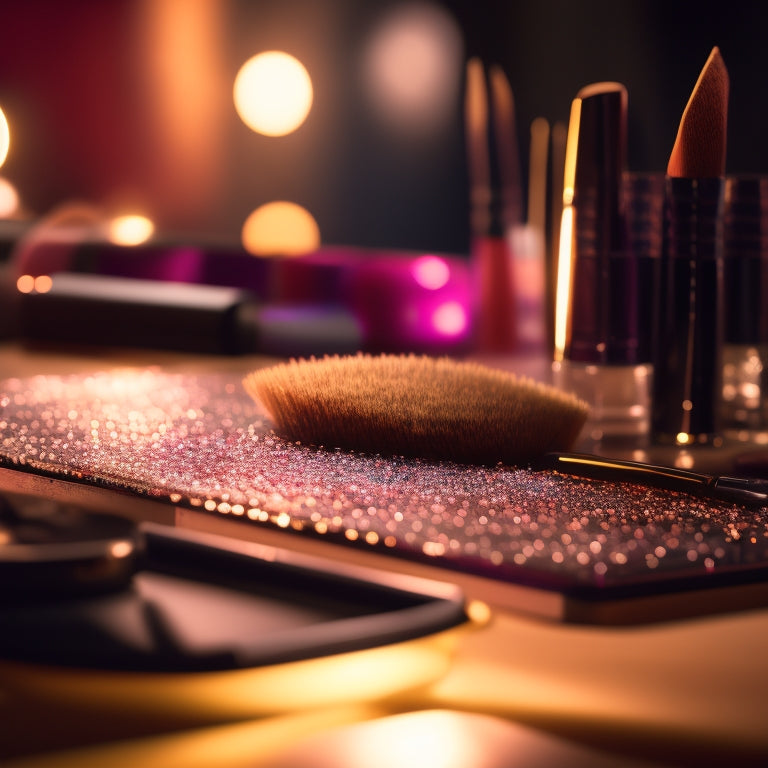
point(201, 442)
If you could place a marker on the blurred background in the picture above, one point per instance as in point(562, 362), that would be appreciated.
point(130, 104)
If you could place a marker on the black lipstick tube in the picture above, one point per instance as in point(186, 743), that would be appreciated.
point(102, 311)
point(603, 319)
point(687, 380)
point(745, 347)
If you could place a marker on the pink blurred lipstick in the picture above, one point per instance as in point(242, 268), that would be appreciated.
point(495, 206)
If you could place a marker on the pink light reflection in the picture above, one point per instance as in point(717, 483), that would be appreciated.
point(431, 272)
point(450, 319)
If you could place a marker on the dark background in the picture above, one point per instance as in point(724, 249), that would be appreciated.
point(79, 80)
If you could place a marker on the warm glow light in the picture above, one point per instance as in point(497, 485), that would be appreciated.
point(5, 137)
point(121, 549)
point(273, 93)
point(322, 683)
point(563, 289)
point(43, 284)
point(9, 199)
point(412, 67)
point(430, 272)
point(131, 229)
point(280, 228)
point(182, 77)
point(571, 146)
point(479, 612)
point(450, 319)
point(435, 738)
point(25, 284)
point(29, 284)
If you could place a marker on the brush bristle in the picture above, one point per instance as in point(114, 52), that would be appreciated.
point(415, 406)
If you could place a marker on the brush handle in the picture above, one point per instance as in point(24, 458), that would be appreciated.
point(747, 491)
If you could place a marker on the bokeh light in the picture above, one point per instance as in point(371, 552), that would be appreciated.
point(43, 283)
point(25, 284)
point(412, 67)
point(130, 229)
point(5, 137)
point(273, 93)
point(9, 199)
point(430, 272)
point(30, 284)
point(450, 319)
point(280, 228)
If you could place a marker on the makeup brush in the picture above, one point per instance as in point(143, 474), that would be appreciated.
point(687, 362)
point(440, 409)
point(431, 408)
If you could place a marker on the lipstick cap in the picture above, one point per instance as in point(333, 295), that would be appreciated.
point(603, 306)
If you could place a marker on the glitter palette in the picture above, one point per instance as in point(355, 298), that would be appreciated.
point(201, 444)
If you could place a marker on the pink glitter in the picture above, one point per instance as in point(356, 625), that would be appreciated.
point(201, 442)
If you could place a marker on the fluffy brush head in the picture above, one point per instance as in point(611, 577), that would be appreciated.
point(417, 406)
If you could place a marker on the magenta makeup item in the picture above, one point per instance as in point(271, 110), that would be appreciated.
point(317, 277)
point(152, 261)
point(175, 262)
point(404, 301)
point(418, 303)
point(398, 300)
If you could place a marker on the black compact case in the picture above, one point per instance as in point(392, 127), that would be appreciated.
point(150, 598)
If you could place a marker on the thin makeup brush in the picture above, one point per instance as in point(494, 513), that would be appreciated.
point(441, 409)
point(495, 204)
point(687, 362)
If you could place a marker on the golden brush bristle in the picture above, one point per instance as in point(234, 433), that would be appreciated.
point(417, 406)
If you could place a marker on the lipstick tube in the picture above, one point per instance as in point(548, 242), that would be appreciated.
point(687, 381)
point(603, 358)
point(745, 348)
